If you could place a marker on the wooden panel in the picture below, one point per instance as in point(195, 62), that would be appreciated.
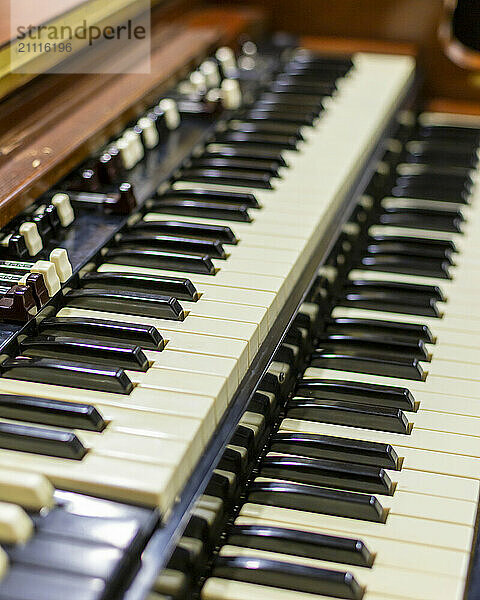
point(55, 122)
point(332, 45)
point(453, 106)
point(412, 21)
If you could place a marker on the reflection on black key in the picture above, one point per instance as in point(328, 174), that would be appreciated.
point(417, 219)
point(410, 348)
point(203, 209)
point(396, 287)
point(436, 247)
point(205, 230)
point(178, 287)
point(409, 249)
point(365, 361)
point(199, 194)
point(45, 411)
point(284, 142)
point(304, 101)
point(281, 114)
point(288, 576)
point(335, 448)
point(114, 354)
point(72, 556)
point(133, 303)
point(397, 331)
point(67, 373)
point(329, 473)
point(172, 243)
point(52, 442)
point(393, 263)
point(431, 193)
point(388, 301)
point(301, 543)
point(317, 499)
point(349, 414)
point(250, 164)
point(245, 150)
point(235, 177)
point(145, 336)
point(47, 584)
point(255, 126)
point(158, 259)
point(356, 391)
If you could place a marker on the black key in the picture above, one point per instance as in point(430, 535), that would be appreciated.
point(279, 114)
point(411, 265)
point(436, 153)
point(133, 303)
point(37, 440)
point(70, 556)
point(269, 127)
point(397, 331)
point(317, 500)
point(436, 178)
point(437, 248)
point(301, 543)
point(304, 101)
point(415, 289)
point(172, 243)
point(45, 411)
point(389, 301)
point(114, 354)
point(458, 134)
point(233, 460)
point(157, 259)
point(218, 486)
point(336, 448)
point(26, 583)
point(362, 360)
point(288, 576)
point(260, 404)
point(178, 287)
point(250, 164)
point(145, 336)
point(284, 142)
point(409, 249)
point(245, 151)
point(201, 195)
point(349, 414)
point(244, 436)
point(357, 391)
point(67, 373)
point(302, 88)
point(328, 473)
point(416, 218)
point(95, 520)
point(212, 232)
point(235, 177)
point(431, 193)
point(204, 209)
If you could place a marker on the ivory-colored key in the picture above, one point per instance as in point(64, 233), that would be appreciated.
point(16, 527)
point(29, 490)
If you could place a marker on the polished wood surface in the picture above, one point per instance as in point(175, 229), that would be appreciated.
point(55, 122)
point(411, 21)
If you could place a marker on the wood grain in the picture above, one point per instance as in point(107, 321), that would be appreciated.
point(57, 121)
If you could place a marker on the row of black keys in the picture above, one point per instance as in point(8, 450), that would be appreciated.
point(169, 245)
point(337, 475)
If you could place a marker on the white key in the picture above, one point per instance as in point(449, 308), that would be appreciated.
point(16, 527)
point(29, 490)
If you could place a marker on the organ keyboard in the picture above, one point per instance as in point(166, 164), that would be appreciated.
point(259, 379)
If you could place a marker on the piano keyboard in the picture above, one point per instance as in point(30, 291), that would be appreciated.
point(357, 480)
